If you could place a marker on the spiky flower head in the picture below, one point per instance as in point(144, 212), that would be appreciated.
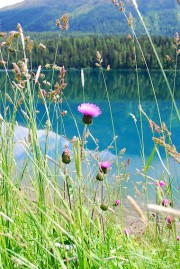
point(117, 202)
point(104, 166)
point(169, 221)
point(161, 183)
point(89, 111)
point(165, 202)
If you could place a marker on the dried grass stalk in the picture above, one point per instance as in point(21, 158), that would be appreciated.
point(37, 74)
point(170, 149)
point(5, 217)
point(163, 209)
point(134, 3)
point(137, 209)
point(65, 216)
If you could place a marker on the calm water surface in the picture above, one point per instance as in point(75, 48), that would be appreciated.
point(124, 98)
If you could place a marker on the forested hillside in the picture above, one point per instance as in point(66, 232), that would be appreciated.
point(93, 16)
point(80, 51)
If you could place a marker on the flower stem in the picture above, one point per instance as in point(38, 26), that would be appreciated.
point(83, 140)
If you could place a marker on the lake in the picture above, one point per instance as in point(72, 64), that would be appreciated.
point(124, 98)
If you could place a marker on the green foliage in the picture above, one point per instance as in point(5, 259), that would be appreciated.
point(80, 51)
point(93, 16)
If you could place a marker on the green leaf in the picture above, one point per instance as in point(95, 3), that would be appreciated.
point(146, 168)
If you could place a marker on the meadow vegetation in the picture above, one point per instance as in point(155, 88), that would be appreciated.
point(61, 210)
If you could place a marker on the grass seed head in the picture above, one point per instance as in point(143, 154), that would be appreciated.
point(130, 20)
point(29, 46)
point(2, 34)
point(63, 23)
point(42, 46)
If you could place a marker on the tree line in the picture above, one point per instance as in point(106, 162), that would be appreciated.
point(118, 52)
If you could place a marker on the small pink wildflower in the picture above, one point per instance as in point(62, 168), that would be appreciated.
point(104, 166)
point(117, 202)
point(126, 232)
point(89, 109)
point(178, 238)
point(165, 202)
point(169, 219)
point(161, 183)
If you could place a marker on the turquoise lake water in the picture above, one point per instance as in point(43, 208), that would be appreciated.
point(124, 99)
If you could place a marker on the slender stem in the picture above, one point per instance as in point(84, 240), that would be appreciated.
point(83, 140)
point(102, 192)
point(103, 227)
point(94, 199)
point(68, 192)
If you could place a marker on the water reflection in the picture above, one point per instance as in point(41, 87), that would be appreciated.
point(122, 88)
point(123, 93)
point(121, 84)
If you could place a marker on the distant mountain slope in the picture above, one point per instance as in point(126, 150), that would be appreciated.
point(92, 16)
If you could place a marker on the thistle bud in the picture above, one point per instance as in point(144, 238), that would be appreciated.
point(104, 206)
point(66, 156)
point(100, 176)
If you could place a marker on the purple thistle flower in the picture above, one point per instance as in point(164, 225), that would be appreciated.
point(126, 232)
point(104, 166)
point(169, 222)
point(117, 202)
point(169, 219)
point(161, 183)
point(89, 109)
point(178, 238)
point(165, 202)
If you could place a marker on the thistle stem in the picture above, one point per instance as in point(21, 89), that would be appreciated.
point(83, 140)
